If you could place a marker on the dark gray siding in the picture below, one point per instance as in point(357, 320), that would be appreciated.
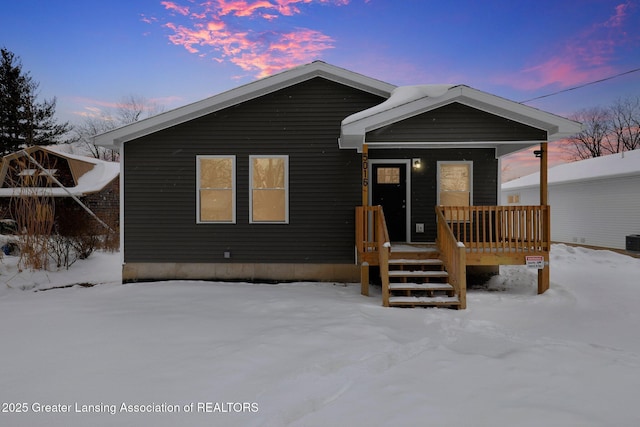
point(456, 123)
point(302, 121)
point(424, 181)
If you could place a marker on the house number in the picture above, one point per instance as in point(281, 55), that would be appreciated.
point(365, 170)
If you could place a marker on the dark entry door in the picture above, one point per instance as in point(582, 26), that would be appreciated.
point(389, 190)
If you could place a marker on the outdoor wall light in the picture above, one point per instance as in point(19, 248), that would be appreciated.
point(417, 164)
point(537, 153)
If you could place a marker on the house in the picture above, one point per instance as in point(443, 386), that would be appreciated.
point(280, 179)
point(82, 188)
point(594, 202)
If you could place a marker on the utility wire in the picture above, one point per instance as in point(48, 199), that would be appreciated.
point(581, 86)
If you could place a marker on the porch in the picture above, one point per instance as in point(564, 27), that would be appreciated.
point(466, 236)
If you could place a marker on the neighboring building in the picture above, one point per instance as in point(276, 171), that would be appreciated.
point(594, 202)
point(94, 182)
point(262, 182)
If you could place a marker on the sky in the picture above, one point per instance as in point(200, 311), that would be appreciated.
point(92, 54)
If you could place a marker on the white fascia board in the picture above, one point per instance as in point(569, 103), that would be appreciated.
point(113, 139)
point(556, 126)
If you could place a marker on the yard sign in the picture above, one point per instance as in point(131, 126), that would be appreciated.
point(535, 261)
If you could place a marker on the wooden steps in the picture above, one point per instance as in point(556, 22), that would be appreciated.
point(420, 287)
point(417, 278)
point(424, 301)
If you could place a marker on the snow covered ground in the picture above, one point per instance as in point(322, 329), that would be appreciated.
point(320, 354)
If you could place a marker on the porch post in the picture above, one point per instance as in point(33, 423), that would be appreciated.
point(543, 274)
point(364, 267)
point(543, 175)
point(365, 175)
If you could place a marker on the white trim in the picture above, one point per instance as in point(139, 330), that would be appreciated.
point(457, 162)
point(407, 163)
point(233, 188)
point(286, 187)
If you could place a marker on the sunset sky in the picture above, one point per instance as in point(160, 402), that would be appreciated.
point(91, 54)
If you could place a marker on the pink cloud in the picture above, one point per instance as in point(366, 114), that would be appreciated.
point(618, 19)
point(224, 31)
point(148, 19)
point(169, 5)
point(586, 57)
point(562, 71)
point(281, 51)
point(241, 7)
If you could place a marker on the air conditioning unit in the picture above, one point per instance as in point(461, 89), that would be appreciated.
point(633, 242)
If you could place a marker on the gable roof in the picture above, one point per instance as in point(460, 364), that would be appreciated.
point(410, 101)
point(611, 166)
point(90, 175)
point(113, 139)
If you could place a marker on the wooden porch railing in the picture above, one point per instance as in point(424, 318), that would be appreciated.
point(453, 254)
point(373, 245)
point(499, 228)
point(467, 235)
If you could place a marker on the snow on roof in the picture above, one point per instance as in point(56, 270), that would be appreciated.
point(400, 96)
point(613, 165)
point(96, 179)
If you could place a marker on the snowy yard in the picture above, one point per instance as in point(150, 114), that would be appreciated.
point(320, 354)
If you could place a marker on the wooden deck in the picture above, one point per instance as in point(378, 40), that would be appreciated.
point(467, 235)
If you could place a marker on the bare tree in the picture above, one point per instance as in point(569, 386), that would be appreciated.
point(130, 109)
point(33, 209)
point(606, 130)
point(593, 140)
point(625, 123)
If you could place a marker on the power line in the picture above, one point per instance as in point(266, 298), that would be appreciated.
point(581, 86)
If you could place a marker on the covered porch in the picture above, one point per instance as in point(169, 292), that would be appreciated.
point(467, 235)
point(460, 134)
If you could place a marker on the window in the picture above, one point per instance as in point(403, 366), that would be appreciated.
point(269, 193)
point(388, 175)
point(513, 198)
point(454, 184)
point(216, 194)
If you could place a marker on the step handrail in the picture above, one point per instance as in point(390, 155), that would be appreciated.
point(373, 244)
point(384, 248)
point(453, 254)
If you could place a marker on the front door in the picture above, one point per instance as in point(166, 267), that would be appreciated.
point(389, 190)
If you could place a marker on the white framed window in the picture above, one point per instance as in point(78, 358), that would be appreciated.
point(455, 184)
point(216, 189)
point(269, 189)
